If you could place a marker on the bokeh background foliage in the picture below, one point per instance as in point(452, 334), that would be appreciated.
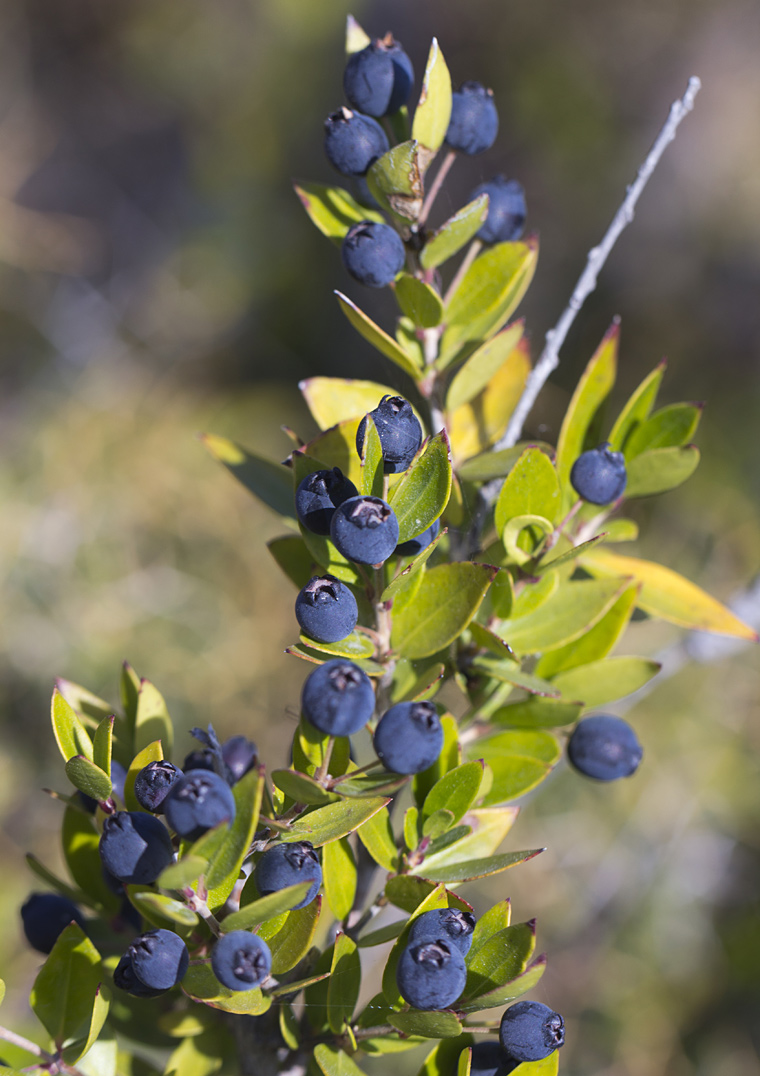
point(158, 277)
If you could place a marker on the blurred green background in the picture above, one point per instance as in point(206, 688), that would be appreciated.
point(158, 278)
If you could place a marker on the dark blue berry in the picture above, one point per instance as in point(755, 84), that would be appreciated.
point(353, 142)
point(599, 475)
point(44, 916)
point(488, 1059)
point(135, 847)
point(506, 210)
point(157, 960)
point(409, 737)
point(451, 924)
point(318, 495)
point(378, 79)
point(399, 431)
point(199, 801)
point(203, 758)
point(431, 974)
point(373, 253)
point(240, 755)
point(415, 545)
point(124, 977)
point(474, 121)
point(604, 747)
point(326, 609)
point(531, 1031)
point(365, 530)
point(241, 960)
point(152, 785)
point(338, 698)
point(288, 864)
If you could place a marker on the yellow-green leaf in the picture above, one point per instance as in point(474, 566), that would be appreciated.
point(421, 303)
point(594, 644)
point(451, 237)
point(603, 681)
point(395, 180)
point(422, 492)
point(666, 594)
point(661, 469)
point(637, 408)
point(445, 603)
point(572, 610)
point(530, 488)
point(340, 875)
point(379, 339)
point(153, 752)
point(376, 834)
point(265, 479)
point(482, 365)
point(476, 425)
point(334, 399)
point(433, 112)
point(152, 721)
point(332, 209)
point(326, 824)
point(70, 734)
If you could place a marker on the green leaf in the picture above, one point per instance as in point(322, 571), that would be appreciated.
point(77, 1049)
point(335, 399)
point(489, 292)
point(604, 681)
point(409, 576)
point(438, 823)
point(536, 712)
point(180, 874)
point(376, 834)
point(549, 1066)
point(490, 825)
point(570, 612)
point(531, 488)
point(265, 479)
point(524, 537)
point(596, 643)
point(514, 989)
point(411, 894)
point(340, 876)
point(65, 993)
point(395, 181)
point(385, 934)
point(667, 428)
point(152, 721)
point(621, 530)
point(661, 469)
point(259, 911)
point(70, 734)
point(470, 869)
point(422, 492)
point(152, 753)
point(329, 823)
point(88, 778)
point(356, 38)
point(332, 209)
point(373, 784)
point(431, 1025)
point(448, 759)
point(421, 303)
point(443, 1060)
point(444, 605)
point(497, 464)
point(83, 701)
point(310, 747)
point(509, 672)
point(80, 840)
point(455, 791)
point(195, 1056)
point(333, 1062)
point(289, 1028)
point(379, 339)
point(224, 867)
point(162, 911)
point(47, 876)
point(129, 688)
point(344, 984)
point(452, 236)
point(637, 408)
point(294, 558)
point(102, 744)
point(372, 461)
point(666, 594)
point(481, 366)
point(500, 959)
point(354, 646)
point(293, 939)
point(570, 554)
point(201, 984)
point(490, 923)
point(593, 389)
point(433, 112)
point(464, 1065)
point(518, 761)
point(476, 425)
point(302, 788)
point(411, 828)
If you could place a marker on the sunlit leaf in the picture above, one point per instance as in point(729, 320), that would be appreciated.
point(482, 365)
point(669, 427)
point(571, 611)
point(433, 112)
point(395, 181)
point(344, 983)
point(422, 492)
point(446, 601)
point(476, 425)
point(601, 682)
point(452, 236)
point(421, 303)
point(637, 409)
point(326, 824)
point(594, 644)
point(379, 339)
point(661, 469)
point(340, 875)
point(70, 734)
point(265, 479)
point(332, 209)
point(334, 399)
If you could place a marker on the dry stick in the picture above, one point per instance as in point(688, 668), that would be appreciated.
point(555, 338)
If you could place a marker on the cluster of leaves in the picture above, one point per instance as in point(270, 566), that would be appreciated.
point(516, 605)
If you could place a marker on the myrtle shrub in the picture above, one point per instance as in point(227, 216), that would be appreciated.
point(459, 599)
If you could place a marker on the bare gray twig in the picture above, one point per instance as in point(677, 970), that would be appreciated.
point(555, 338)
